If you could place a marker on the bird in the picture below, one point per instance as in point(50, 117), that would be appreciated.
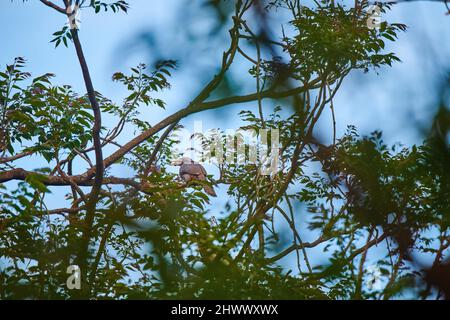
point(191, 170)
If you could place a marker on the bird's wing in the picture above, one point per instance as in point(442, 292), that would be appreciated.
point(193, 169)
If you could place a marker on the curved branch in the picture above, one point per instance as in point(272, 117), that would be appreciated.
point(15, 157)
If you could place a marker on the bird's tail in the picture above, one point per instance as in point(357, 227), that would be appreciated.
point(209, 190)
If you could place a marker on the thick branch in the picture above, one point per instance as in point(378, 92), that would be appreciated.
point(80, 180)
point(296, 247)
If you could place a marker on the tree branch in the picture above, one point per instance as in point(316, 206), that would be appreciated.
point(54, 6)
point(99, 166)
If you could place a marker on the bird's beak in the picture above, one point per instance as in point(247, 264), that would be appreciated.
point(177, 162)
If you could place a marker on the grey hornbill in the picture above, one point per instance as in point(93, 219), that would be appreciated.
point(191, 170)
